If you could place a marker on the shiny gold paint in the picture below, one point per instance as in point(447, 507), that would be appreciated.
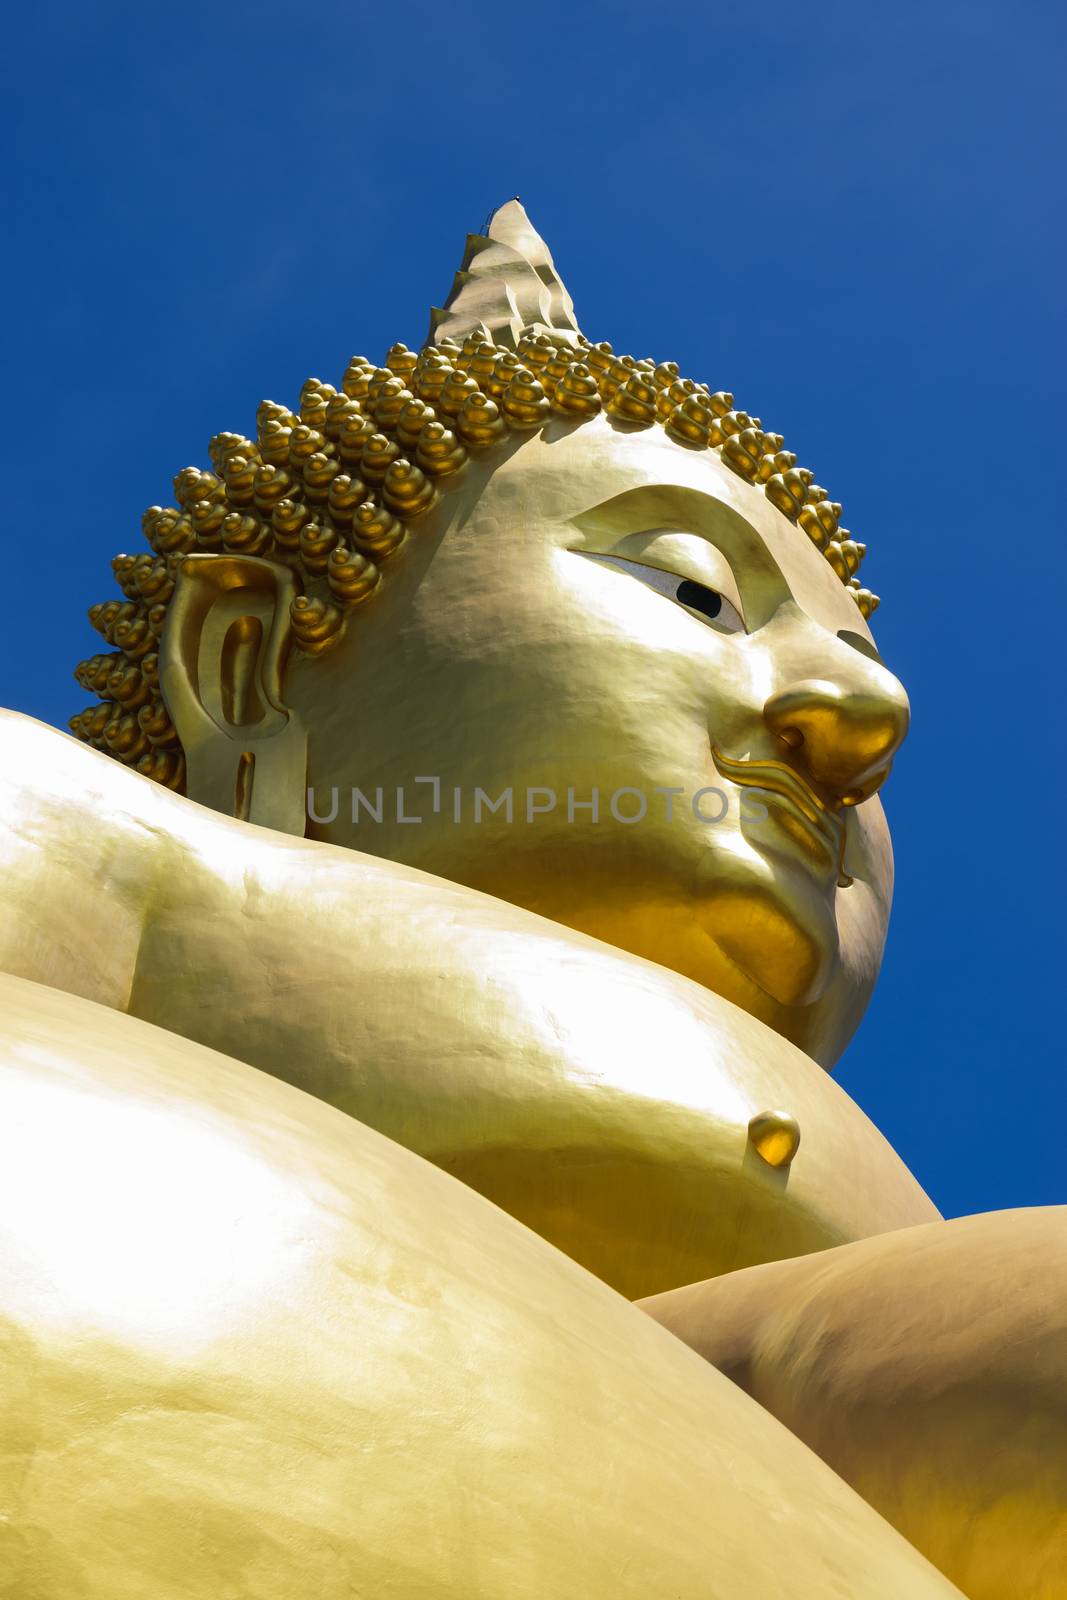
point(927, 1367)
point(472, 491)
point(330, 487)
point(498, 659)
point(253, 1348)
point(250, 1348)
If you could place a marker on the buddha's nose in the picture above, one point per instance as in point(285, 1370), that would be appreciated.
point(842, 730)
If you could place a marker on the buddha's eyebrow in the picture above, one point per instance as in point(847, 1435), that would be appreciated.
point(677, 508)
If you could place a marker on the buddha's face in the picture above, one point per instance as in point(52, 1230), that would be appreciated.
point(610, 612)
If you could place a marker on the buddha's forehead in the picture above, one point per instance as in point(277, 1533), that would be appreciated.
point(560, 476)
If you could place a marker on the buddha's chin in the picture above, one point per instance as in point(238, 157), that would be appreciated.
point(778, 927)
point(757, 929)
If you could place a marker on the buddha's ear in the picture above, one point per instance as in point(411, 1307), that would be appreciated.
point(222, 663)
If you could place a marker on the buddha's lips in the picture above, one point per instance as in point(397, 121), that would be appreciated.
point(778, 778)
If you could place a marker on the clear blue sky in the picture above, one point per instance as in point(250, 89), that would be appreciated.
point(850, 215)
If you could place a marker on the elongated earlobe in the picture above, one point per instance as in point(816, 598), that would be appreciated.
point(222, 662)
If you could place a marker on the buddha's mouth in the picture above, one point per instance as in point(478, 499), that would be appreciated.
point(821, 826)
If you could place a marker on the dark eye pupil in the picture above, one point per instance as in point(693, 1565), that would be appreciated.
point(698, 598)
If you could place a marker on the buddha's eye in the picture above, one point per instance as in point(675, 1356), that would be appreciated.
point(700, 599)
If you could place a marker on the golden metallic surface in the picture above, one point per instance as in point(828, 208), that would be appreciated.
point(927, 1367)
point(602, 1100)
point(488, 658)
point(561, 662)
point(250, 1348)
point(279, 513)
point(497, 659)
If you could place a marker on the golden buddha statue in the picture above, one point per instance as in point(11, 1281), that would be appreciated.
point(490, 750)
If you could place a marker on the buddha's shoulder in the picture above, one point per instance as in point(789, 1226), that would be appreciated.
point(266, 912)
point(25, 738)
point(604, 1100)
point(42, 768)
point(270, 911)
point(312, 905)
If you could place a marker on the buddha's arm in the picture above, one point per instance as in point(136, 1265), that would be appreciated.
point(926, 1367)
point(603, 1100)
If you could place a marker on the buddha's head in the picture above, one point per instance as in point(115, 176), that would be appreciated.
point(581, 617)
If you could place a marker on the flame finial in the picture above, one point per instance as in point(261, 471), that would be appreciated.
point(507, 283)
